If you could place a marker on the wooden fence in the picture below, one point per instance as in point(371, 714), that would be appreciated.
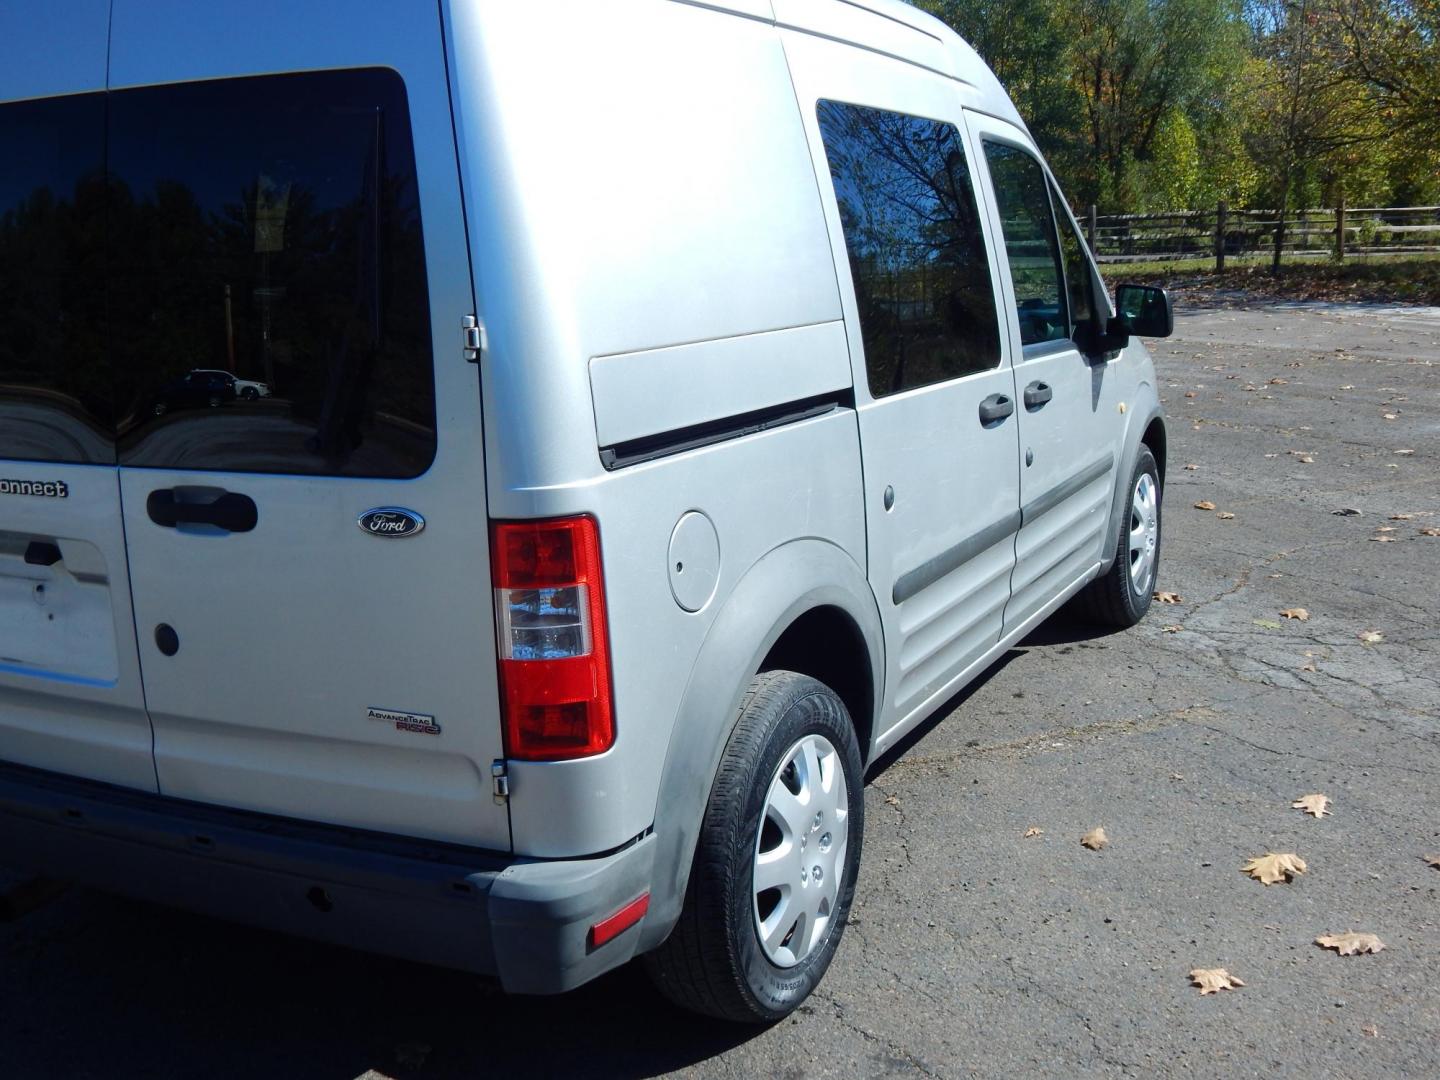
point(1223, 233)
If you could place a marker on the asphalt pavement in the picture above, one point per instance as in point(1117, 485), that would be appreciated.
point(975, 950)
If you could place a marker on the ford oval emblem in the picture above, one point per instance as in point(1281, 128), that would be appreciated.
point(391, 521)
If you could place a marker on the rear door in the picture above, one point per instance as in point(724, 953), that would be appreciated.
point(70, 693)
point(934, 393)
point(288, 212)
point(1069, 419)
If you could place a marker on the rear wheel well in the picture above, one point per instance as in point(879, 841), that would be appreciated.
point(826, 644)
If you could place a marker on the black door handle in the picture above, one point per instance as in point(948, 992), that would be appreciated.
point(230, 511)
point(1037, 394)
point(995, 408)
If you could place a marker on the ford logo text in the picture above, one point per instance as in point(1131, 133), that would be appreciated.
point(391, 521)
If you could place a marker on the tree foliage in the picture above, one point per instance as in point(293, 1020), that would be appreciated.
point(1171, 104)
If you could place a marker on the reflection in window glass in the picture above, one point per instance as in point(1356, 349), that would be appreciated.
point(916, 247)
point(1077, 267)
point(55, 392)
point(267, 296)
point(1024, 203)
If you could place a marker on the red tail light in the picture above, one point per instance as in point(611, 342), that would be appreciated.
point(554, 652)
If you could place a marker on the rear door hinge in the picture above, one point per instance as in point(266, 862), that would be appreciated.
point(500, 781)
point(472, 338)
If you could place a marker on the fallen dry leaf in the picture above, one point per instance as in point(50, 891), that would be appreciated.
point(1189, 393)
point(1383, 539)
point(1204, 504)
point(1346, 511)
point(891, 800)
point(1370, 1030)
point(1430, 530)
point(1278, 382)
point(1314, 805)
point(1305, 459)
point(1389, 416)
point(1168, 597)
point(1350, 943)
point(1404, 453)
point(1210, 980)
point(1095, 839)
point(1271, 869)
point(1191, 467)
point(1347, 387)
point(1171, 629)
point(1033, 830)
point(1433, 860)
point(1225, 515)
point(1384, 528)
point(1399, 517)
point(1370, 636)
point(1295, 613)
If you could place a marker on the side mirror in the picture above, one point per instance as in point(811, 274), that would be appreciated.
point(1144, 311)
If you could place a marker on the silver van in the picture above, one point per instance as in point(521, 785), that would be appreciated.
point(668, 406)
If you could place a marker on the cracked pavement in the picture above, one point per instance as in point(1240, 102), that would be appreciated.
point(974, 951)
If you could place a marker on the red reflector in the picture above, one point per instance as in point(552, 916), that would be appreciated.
point(611, 928)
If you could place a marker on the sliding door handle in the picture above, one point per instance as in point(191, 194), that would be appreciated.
point(995, 408)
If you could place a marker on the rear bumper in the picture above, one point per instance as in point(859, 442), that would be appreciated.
point(526, 922)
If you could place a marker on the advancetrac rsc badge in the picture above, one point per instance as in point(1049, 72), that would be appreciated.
point(406, 721)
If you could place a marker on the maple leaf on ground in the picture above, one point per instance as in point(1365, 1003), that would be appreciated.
point(1095, 839)
point(1430, 530)
point(1370, 637)
point(1225, 515)
point(1204, 504)
point(1433, 860)
point(1167, 597)
point(1350, 943)
point(1314, 805)
point(1298, 613)
point(1033, 830)
point(1271, 869)
point(1211, 980)
point(1191, 467)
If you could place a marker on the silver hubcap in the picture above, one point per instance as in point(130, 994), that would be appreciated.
point(800, 852)
point(1144, 533)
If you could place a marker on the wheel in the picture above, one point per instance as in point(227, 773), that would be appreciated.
point(213, 401)
point(1121, 596)
point(249, 393)
point(775, 864)
point(160, 408)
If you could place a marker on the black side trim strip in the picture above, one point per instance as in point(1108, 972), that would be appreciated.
point(932, 570)
point(1063, 490)
point(665, 443)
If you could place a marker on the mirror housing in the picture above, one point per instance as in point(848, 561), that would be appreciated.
point(1143, 311)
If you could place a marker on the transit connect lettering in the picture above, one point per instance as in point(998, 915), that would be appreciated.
point(48, 489)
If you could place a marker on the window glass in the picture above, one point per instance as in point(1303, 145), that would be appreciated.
point(1030, 246)
point(1077, 267)
point(916, 246)
point(267, 298)
point(55, 392)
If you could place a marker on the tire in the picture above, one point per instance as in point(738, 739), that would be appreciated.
point(214, 401)
point(1117, 598)
point(715, 962)
point(249, 393)
point(160, 408)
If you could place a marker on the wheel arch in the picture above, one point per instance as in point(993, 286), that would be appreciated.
point(797, 590)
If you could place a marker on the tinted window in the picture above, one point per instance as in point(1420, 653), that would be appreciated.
point(237, 283)
point(915, 243)
point(1077, 266)
point(268, 229)
point(1023, 199)
point(55, 391)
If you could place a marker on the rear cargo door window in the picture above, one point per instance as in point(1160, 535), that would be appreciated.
point(56, 392)
point(267, 299)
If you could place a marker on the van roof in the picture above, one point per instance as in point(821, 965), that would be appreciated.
point(893, 27)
